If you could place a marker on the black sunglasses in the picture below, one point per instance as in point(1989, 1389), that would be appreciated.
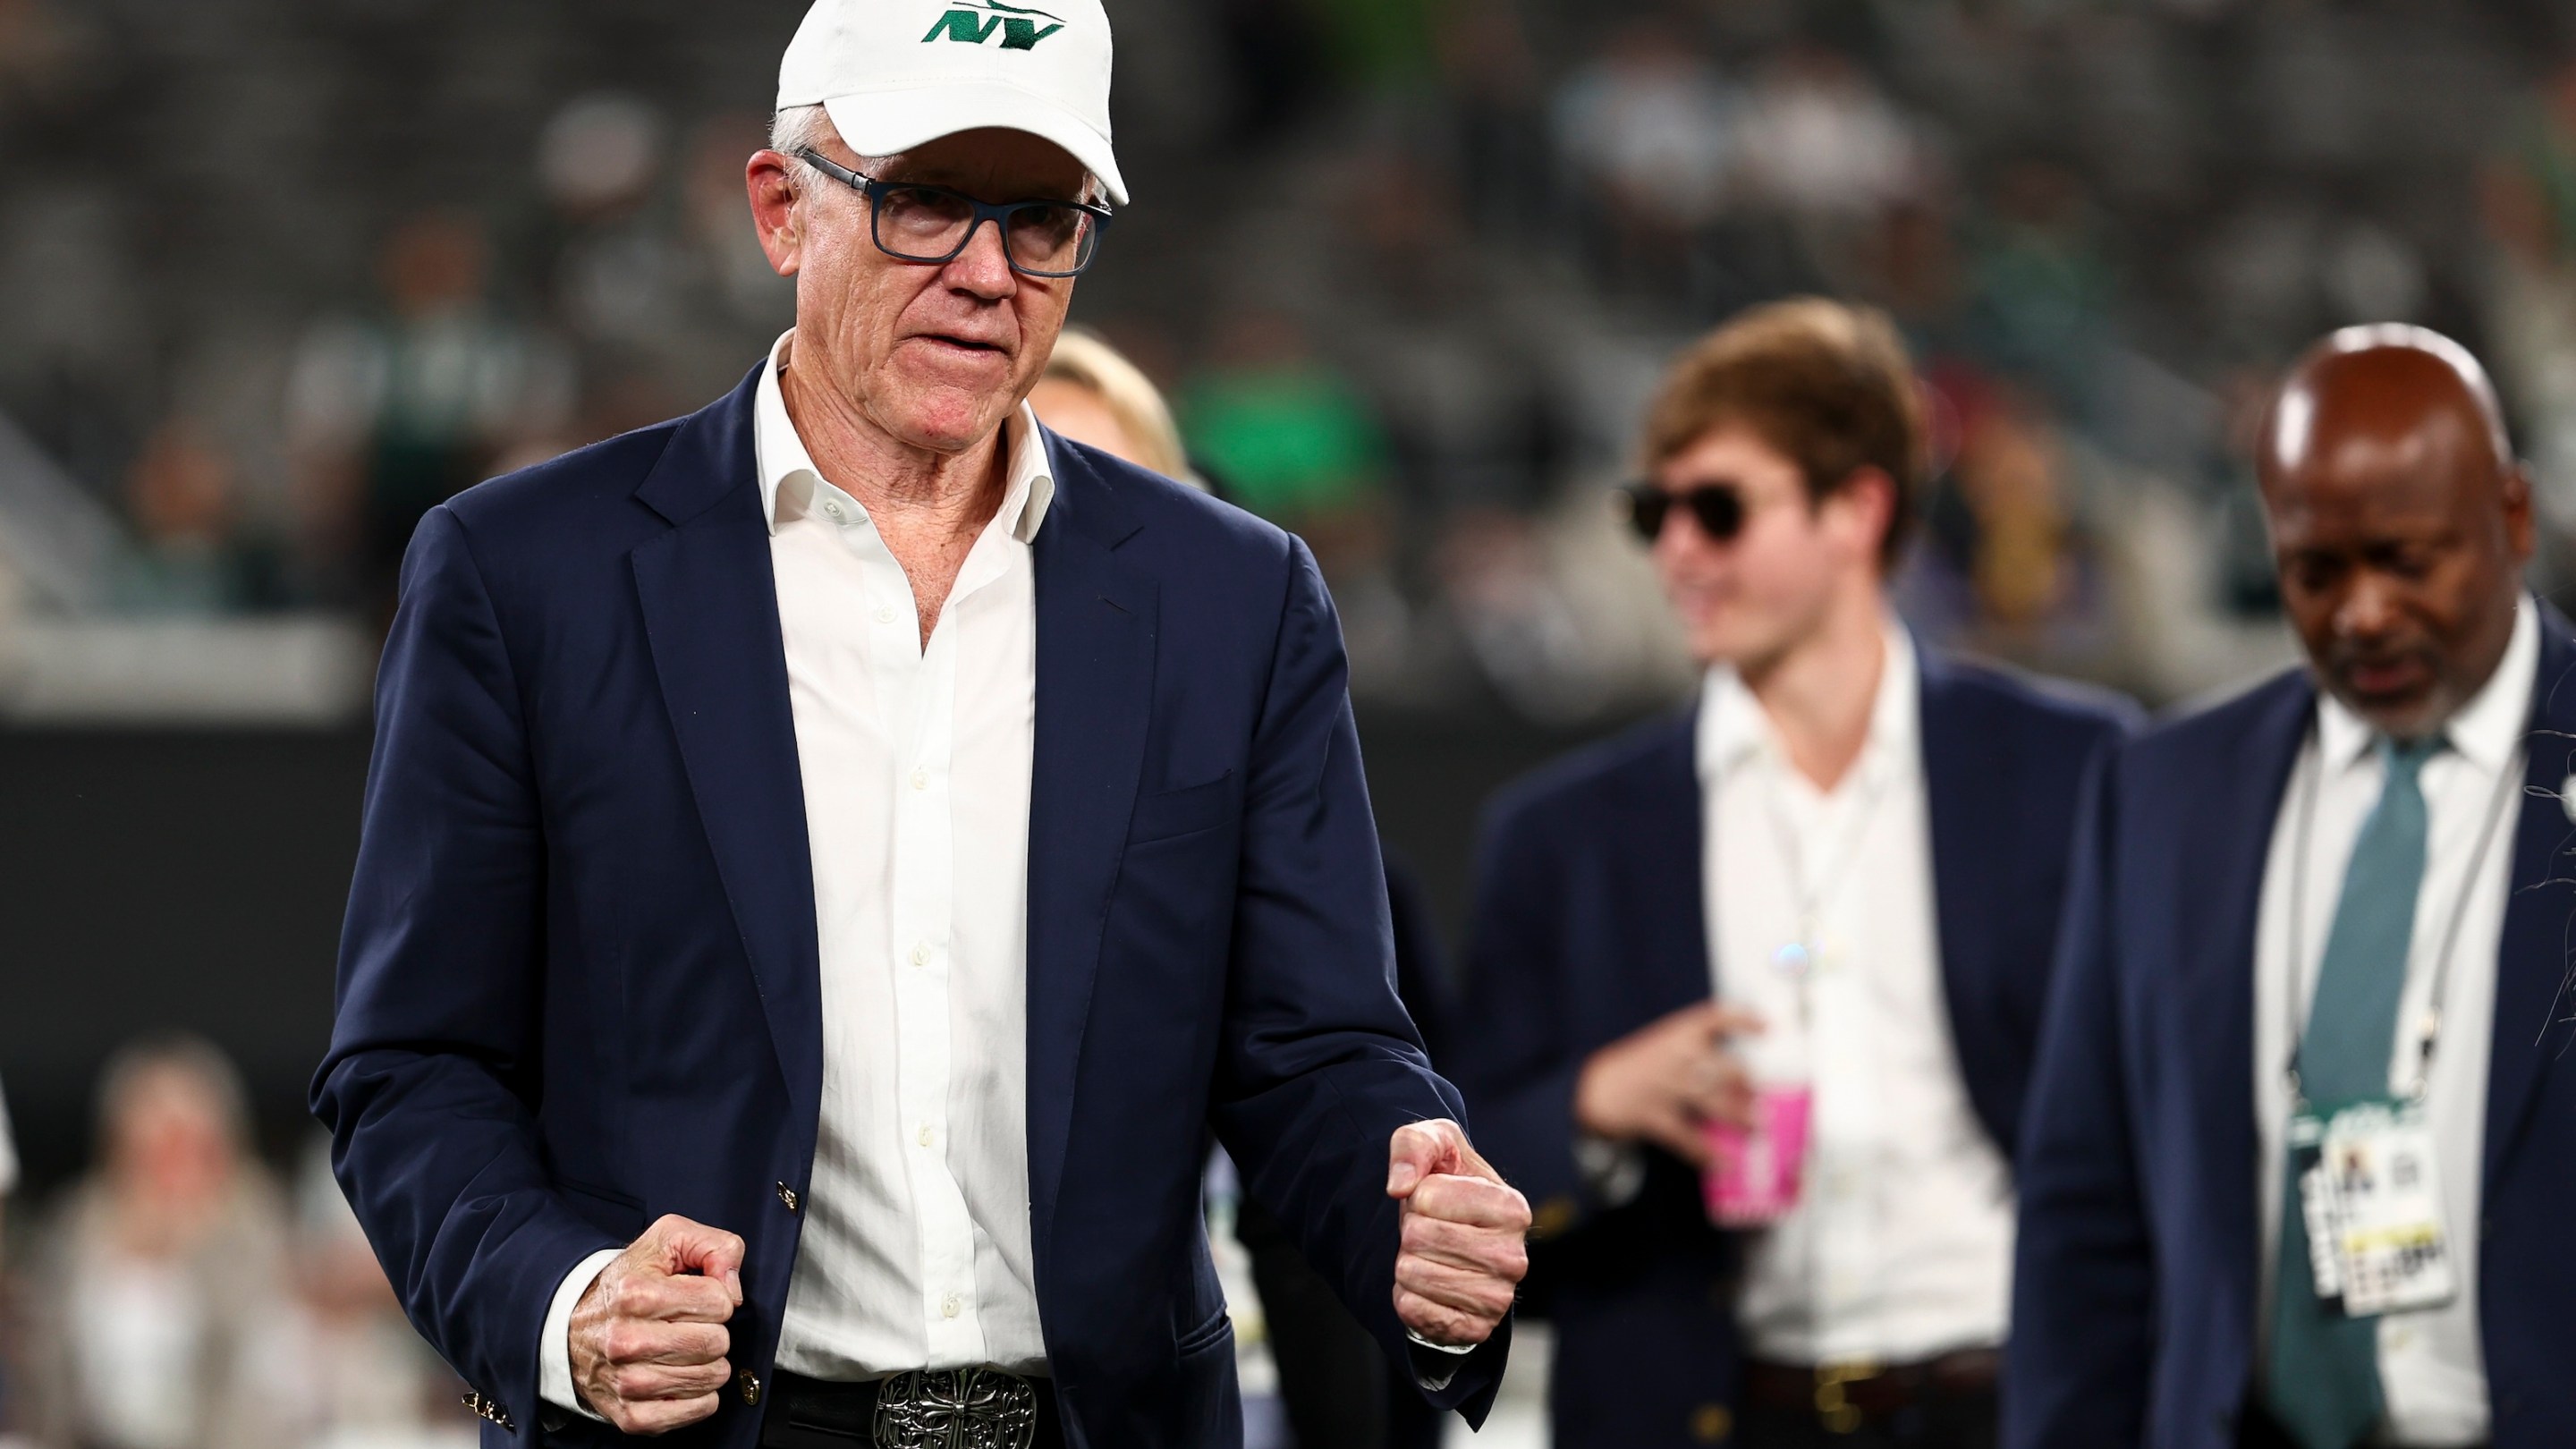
point(1718, 509)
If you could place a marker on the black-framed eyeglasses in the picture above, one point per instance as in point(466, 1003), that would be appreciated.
point(932, 225)
point(1718, 509)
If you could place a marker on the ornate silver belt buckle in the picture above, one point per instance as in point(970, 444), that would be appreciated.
point(976, 1408)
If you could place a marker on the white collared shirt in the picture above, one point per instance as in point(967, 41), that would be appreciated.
point(1900, 1247)
point(916, 1250)
point(2432, 1371)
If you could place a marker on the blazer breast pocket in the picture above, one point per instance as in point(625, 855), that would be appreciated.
point(1175, 813)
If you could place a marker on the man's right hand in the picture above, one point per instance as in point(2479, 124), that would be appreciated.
point(648, 1336)
point(1664, 1082)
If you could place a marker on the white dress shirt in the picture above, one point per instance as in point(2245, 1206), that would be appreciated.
point(1900, 1246)
point(2432, 1372)
point(916, 1248)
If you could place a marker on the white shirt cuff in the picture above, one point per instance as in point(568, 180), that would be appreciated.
point(1460, 1349)
point(554, 1347)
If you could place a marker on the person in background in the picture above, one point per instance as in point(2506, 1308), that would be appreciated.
point(1332, 1378)
point(159, 1285)
point(1829, 891)
point(2327, 922)
point(1092, 394)
point(358, 1376)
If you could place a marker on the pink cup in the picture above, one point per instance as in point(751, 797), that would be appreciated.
point(1756, 1176)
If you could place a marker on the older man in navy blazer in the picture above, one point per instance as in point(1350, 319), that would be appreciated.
point(2342, 895)
point(831, 860)
point(1838, 877)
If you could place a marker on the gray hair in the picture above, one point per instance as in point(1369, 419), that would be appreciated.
point(799, 128)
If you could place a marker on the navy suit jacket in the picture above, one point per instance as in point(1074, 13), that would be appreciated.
point(578, 983)
point(1590, 924)
point(2137, 1279)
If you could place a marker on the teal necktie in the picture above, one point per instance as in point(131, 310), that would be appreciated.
point(2322, 1383)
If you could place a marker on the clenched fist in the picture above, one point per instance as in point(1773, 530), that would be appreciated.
point(1463, 1250)
point(649, 1338)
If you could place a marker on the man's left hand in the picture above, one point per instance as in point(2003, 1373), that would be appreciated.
point(1463, 1249)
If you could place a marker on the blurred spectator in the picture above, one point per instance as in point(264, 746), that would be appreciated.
point(2007, 571)
point(359, 1377)
point(191, 556)
point(391, 415)
point(2041, 285)
point(159, 1290)
point(1092, 394)
point(1648, 132)
point(1818, 140)
point(1280, 429)
point(1378, 44)
point(1281, 432)
point(2530, 206)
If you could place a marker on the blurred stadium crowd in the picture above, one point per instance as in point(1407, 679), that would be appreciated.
point(279, 275)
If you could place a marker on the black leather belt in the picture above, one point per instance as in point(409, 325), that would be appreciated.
point(1848, 1397)
point(977, 1408)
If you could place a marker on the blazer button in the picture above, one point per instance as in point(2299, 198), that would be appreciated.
point(749, 1384)
point(787, 1195)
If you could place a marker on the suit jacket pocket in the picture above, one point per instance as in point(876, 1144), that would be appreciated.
point(1182, 812)
point(1219, 1329)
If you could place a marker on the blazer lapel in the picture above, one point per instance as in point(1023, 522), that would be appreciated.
point(2530, 1032)
point(1968, 824)
point(710, 609)
point(2224, 846)
point(1096, 631)
point(1662, 873)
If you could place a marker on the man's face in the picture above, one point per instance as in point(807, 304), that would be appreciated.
point(1747, 600)
point(2400, 562)
point(934, 356)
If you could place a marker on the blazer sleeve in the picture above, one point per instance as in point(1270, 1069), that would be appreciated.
point(429, 1085)
point(1317, 1063)
point(1513, 1056)
point(2084, 1272)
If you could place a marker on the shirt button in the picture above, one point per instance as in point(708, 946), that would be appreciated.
point(949, 1306)
point(925, 1137)
point(787, 1196)
point(921, 779)
point(885, 614)
point(921, 954)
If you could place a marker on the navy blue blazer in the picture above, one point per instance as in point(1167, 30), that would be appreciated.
point(578, 983)
point(1590, 924)
point(2137, 1281)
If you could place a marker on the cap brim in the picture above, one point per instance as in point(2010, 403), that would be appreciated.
point(886, 123)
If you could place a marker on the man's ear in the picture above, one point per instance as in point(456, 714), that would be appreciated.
point(2521, 529)
point(769, 180)
point(1866, 503)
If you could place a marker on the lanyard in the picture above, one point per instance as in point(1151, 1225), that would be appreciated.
point(2295, 1018)
point(1797, 959)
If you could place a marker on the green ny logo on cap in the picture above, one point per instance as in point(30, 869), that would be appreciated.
point(974, 23)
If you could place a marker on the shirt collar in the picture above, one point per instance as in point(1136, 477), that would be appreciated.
point(1734, 729)
point(789, 479)
point(2486, 731)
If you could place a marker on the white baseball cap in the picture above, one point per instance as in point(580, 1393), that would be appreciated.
point(895, 74)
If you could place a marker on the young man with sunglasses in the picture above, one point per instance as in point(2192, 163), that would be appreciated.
point(832, 860)
point(1752, 992)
